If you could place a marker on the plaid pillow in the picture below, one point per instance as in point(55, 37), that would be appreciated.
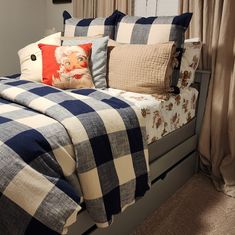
point(151, 30)
point(90, 26)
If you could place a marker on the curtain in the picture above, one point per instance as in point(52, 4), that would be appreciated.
point(101, 8)
point(214, 22)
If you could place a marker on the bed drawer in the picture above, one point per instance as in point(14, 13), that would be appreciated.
point(171, 158)
point(172, 140)
point(160, 191)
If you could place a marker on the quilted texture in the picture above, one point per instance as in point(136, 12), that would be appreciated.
point(141, 68)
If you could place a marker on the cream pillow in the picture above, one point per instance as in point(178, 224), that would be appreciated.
point(31, 58)
point(141, 68)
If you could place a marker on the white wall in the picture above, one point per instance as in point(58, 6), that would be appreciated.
point(54, 13)
point(156, 7)
point(21, 22)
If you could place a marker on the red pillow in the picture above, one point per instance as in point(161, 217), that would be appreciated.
point(66, 67)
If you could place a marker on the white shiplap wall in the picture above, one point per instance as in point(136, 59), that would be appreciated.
point(156, 7)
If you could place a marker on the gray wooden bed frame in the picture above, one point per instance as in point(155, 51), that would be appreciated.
point(173, 160)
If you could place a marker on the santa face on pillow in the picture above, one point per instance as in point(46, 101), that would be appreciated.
point(66, 67)
point(74, 68)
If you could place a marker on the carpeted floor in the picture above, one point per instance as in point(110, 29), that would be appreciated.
point(196, 209)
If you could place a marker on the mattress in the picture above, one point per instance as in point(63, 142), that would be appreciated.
point(162, 116)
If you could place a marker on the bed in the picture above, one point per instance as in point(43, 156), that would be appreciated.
point(172, 154)
point(173, 160)
point(83, 156)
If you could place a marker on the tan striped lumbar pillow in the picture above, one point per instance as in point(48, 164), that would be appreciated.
point(141, 68)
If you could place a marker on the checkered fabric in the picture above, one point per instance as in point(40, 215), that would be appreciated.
point(90, 26)
point(55, 144)
point(151, 30)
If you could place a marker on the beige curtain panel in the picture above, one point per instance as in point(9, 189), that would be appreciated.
point(214, 22)
point(101, 8)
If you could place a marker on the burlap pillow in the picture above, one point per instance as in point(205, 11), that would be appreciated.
point(141, 68)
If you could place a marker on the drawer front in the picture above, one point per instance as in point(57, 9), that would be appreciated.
point(175, 155)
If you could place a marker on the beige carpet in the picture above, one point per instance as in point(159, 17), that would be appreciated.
point(196, 209)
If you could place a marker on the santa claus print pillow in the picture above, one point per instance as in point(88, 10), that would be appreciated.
point(66, 67)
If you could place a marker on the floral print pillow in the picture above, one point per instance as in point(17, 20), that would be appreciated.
point(189, 63)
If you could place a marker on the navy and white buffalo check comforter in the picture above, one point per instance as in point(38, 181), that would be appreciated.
point(59, 148)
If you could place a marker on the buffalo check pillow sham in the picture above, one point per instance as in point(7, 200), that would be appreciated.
point(151, 30)
point(90, 26)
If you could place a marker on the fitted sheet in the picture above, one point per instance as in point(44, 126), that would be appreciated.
point(162, 116)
